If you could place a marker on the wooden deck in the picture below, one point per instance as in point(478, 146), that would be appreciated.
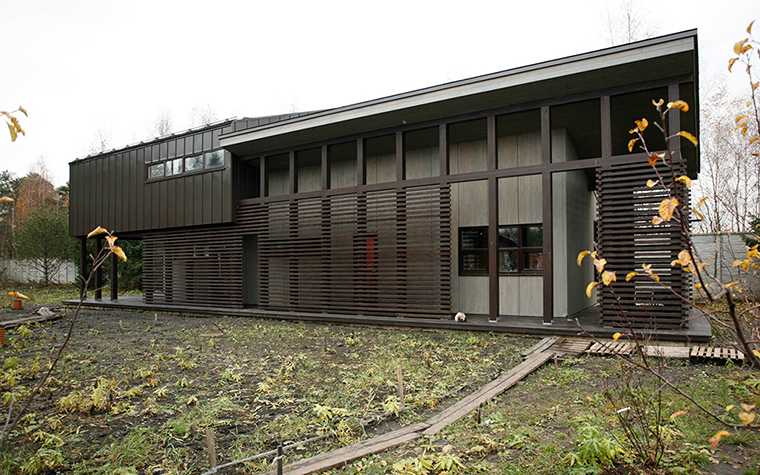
point(698, 331)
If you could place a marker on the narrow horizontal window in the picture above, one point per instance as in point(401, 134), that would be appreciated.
point(214, 159)
point(194, 163)
point(174, 167)
point(156, 171)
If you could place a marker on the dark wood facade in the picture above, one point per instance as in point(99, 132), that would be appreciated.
point(360, 209)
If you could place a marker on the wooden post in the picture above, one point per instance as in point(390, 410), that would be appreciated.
point(99, 270)
point(82, 266)
point(211, 446)
point(400, 386)
point(279, 459)
point(114, 277)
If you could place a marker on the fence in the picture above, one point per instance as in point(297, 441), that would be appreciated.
point(22, 272)
point(720, 251)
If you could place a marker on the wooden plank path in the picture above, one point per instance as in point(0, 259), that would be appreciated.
point(344, 455)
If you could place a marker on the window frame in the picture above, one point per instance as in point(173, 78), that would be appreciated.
point(521, 249)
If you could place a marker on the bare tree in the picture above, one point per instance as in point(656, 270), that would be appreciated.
point(627, 21)
point(163, 124)
point(203, 115)
point(729, 179)
point(100, 141)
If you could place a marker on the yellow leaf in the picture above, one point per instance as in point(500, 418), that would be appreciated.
point(679, 104)
point(655, 277)
point(677, 414)
point(581, 255)
point(616, 336)
point(698, 286)
point(590, 287)
point(647, 267)
point(745, 49)
point(23, 111)
point(701, 201)
point(658, 103)
point(111, 240)
point(714, 440)
point(749, 28)
point(756, 352)
point(667, 207)
point(701, 218)
point(119, 253)
point(748, 407)
point(736, 263)
point(642, 124)
point(745, 265)
point(728, 408)
point(630, 276)
point(96, 231)
point(740, 117)
point(657, 220)
point(747, 418)
point(731, 63)
point(651, 183)
point(608, 277)
point(599, 264)
point(18, 295)
point(684, 258)
point(12, 129)
point(702, 266)
point(688, 137)
point(6, 199)
point(685, 180)
point(732, 284)
point(654, 157)
point(631, 144)
point(739, 45)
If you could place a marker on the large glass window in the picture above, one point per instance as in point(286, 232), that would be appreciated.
point(520, 250)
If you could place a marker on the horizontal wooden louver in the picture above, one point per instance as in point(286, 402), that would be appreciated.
point(627, 239)
point(373, 253)
point(376, 253)
point(201, 268)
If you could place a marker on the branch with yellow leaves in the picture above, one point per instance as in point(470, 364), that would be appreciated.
point(98, 261)
point(14, 126)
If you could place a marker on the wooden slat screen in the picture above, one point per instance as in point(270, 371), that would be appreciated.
point(194, 268)
point(376, 253)
point(627, 239)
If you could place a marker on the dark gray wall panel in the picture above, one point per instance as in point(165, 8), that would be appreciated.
point(111, 190)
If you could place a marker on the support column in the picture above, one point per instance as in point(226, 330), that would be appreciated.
point(493, 225)
point(548, 215)
point(99, 270)
point(114, 277)
point(82, 267)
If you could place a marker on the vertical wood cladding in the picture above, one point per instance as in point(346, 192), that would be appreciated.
point(627, 239)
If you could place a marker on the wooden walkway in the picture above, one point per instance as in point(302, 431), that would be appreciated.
point(535, 357)
point(457, 411)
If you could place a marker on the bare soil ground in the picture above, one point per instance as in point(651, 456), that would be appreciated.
point(136, 391)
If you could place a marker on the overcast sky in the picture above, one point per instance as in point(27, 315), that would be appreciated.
point(92, 66)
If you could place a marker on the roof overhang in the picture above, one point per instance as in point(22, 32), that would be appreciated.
point(645, 61)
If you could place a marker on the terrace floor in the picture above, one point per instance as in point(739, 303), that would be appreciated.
point(698, 330)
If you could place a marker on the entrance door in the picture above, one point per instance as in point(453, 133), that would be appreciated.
point(251, 271)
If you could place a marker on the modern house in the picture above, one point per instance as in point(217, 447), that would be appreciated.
point(473, 196)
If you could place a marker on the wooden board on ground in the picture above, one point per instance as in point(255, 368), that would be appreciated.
point(490, 390)
point(350, 453)
point(32, 319)
point(611, 347)
point(567, 347)
point(540, 346)
point(708, 352)
point(344, 455)
point(666, 351)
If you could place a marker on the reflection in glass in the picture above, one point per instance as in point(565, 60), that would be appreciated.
point(156, 171)
point(508, 261)
point(174, 167)
point(194, 163)
point(214, 159)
